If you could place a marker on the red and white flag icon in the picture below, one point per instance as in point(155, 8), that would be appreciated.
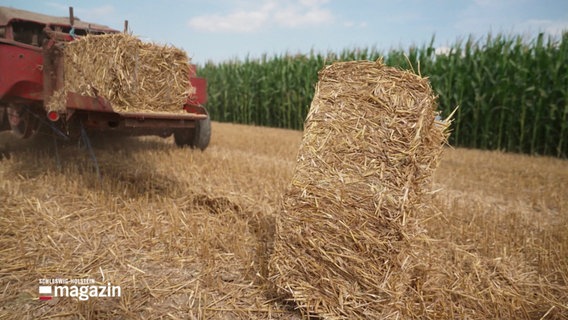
point(45, 293)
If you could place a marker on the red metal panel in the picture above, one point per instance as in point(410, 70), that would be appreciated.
point(157, 123)
point(21, 72)
point(195, 108)
point(144, 122)
point(200, 95)
point(79, 102)
point(162, 116)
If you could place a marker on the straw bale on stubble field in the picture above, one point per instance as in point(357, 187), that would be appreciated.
point(182, 232)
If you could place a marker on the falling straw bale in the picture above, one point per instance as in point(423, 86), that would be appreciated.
point(132, 75)
point(370, 145)
point(350, 242)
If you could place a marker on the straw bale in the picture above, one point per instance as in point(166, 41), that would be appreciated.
point(370, 145)
point(350, 242)
point(133, 75)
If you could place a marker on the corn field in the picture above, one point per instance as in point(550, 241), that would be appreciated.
point(511, 92)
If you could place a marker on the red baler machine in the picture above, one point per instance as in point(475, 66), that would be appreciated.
point(31, 70)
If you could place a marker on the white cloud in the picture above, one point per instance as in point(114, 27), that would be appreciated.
point(238, 21)
point(281, 13)
point(294, 17)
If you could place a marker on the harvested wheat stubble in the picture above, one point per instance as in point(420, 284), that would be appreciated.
point(349, 242)
point(133, 75)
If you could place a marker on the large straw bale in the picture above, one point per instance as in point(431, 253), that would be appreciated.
point(370, 144)
point(350, 243)
point(133, 75)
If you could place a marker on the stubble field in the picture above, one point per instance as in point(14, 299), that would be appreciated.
point(184, 233)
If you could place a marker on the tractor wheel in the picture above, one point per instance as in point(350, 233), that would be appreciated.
point(22, 122)
point(197, 137)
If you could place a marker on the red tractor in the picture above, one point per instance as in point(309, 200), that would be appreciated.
point(31, 70)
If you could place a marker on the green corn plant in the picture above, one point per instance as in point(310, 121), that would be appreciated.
point(511, 91)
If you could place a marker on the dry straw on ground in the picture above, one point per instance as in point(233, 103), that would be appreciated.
point(183, 233)
point(350, 242)
point(133, 75)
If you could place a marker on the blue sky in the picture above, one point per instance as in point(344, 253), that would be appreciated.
point(219, 30)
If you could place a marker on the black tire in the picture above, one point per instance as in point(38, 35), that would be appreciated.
point(27, 124)
point(197, 137)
